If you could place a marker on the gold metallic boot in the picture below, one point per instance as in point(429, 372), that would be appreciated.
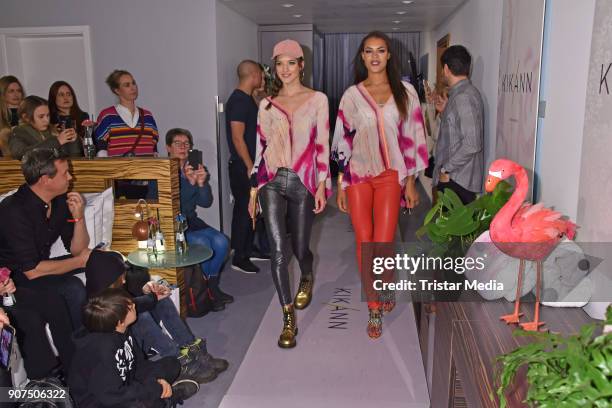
point(287, 336)
point(304, 293)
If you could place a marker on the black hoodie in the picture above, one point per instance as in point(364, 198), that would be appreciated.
point(110, 370)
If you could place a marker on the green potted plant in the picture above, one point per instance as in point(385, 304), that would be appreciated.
point(453, 226)
point(573, 371)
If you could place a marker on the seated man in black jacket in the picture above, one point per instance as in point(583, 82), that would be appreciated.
point(110, 370)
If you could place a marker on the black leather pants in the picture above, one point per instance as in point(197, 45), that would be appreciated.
point(285, 200)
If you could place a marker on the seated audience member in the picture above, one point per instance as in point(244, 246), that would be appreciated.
point(40, 212)
point(36, 131)
point(64, 110)
point(195, 191)
point(125, 129)
point(11, 95)
point(110, 370)
point(30, 314)
point(108, 269)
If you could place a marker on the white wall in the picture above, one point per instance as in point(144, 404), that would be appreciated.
point(567, 61)
point(236, 41)
point(169, 46)
point(477, 26)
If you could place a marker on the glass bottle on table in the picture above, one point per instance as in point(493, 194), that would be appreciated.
point(159, 236)
point(180, 241)
point(89, 149)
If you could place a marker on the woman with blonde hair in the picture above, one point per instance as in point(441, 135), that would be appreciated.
point(36, 131)
point(379, 145)
point(11, 95)
point(291, 174)
point(126, 129)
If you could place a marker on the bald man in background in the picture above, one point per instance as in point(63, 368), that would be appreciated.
point(241, 129)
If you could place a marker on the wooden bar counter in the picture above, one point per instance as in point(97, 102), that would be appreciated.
point(462, 340)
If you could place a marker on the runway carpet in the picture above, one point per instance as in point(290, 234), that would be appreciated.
point(335, 363)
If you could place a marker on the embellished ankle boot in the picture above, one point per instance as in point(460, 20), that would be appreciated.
point(375, 323)
point(387, 299)
point(304, 293)
point(287, 336)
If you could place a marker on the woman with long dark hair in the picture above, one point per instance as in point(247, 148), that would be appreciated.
point(379, 145)
point(64, 108)
point(291, 172)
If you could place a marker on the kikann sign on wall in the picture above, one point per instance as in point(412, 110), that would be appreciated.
point(594, 210)
point(519, 82)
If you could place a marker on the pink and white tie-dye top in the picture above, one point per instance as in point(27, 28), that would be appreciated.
point(370, 139)
point(298, 141)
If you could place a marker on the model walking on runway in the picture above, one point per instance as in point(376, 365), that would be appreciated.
point(379, 145)
point(291, 175)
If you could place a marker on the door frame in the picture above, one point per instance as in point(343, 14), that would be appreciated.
point(441, 45)
point(50, 32)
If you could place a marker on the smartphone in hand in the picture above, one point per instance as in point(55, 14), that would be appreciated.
point(7, 338)
point(195, 158)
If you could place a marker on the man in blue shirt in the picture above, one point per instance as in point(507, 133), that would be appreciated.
point(241, 128)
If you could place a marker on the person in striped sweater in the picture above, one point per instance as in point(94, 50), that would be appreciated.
point(125, 129)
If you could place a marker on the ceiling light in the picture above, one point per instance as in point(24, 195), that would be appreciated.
point(407, 1)
point(287, 5)
point(297, 15)
point(396, 21)
point(395, 28)
point(400, 12)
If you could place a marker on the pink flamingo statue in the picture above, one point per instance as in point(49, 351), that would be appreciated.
point(524, 231)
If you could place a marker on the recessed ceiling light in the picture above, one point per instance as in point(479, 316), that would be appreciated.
point(287, 5)
point(396, 21)
point(297, 15)
point(395, 28)
point(407, 1)
point(401, 12)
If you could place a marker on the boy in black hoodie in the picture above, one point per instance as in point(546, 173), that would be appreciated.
point(110, 370)
point(108, 269)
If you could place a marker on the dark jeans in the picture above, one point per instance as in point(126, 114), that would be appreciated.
point(215, 240)
point(31, 312)
point(67, 286)
point(466, 196)
point(167, 368)
point(242, 227)
point(148, 333)
point(285, 200)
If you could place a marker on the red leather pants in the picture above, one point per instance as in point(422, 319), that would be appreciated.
point(374, 209)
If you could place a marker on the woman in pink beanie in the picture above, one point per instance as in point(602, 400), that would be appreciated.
point(291, 174)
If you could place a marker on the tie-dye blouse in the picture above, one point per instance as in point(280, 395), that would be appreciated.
point(370, 139)
point(298, 141)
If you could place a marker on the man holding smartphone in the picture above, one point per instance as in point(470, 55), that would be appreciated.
point(241, 129)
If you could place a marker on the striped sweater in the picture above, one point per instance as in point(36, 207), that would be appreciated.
point(115, 136)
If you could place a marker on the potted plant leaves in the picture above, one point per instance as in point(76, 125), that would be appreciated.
point(562, 371)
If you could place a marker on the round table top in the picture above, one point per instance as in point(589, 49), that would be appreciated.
point(170, 259)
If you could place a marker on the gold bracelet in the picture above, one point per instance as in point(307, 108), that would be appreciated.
point(340, 178)
point(253, 192)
